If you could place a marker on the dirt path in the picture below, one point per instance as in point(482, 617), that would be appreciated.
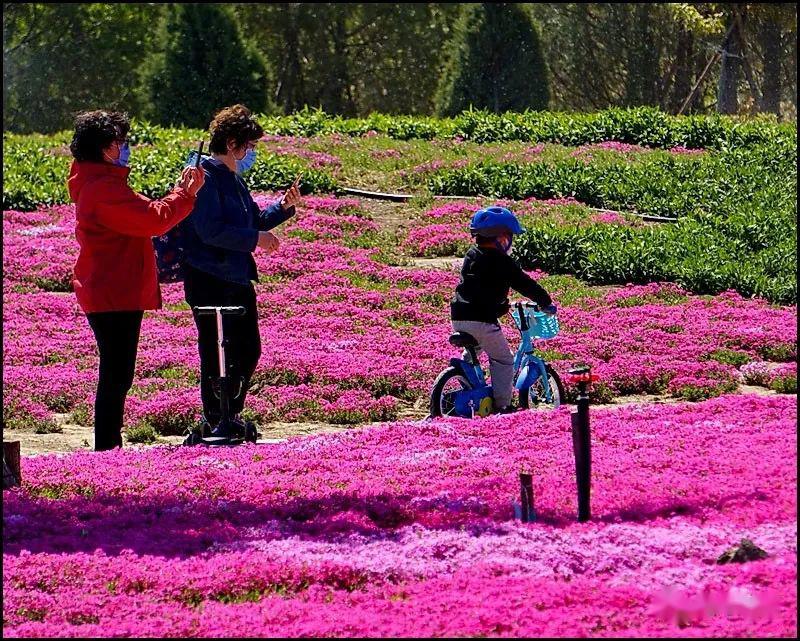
point(390, 216)
point(73, 437)
point(452, 263)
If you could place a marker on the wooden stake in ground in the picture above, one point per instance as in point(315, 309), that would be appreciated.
point(11, 464)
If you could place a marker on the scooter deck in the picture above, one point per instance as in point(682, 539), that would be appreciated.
point(218, 441)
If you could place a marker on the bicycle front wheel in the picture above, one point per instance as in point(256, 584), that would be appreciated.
point(534, 397)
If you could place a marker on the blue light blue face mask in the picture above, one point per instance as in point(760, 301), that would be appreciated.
point(504, 247)
point(124, 156)
point(245, 163)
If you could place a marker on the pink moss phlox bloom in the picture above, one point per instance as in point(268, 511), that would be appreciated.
point(435, 165)
point(608, 145)
point(684, 151)
point(318, 159)
point(380, 154)
point(407, 529)
point(763, 373)
point(609, 217)
point(365, 325)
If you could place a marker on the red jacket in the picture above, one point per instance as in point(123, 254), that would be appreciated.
point(116, 266)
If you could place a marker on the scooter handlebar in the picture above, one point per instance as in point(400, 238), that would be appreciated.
point(225, 310)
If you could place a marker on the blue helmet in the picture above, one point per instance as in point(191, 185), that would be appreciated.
point(494, 221)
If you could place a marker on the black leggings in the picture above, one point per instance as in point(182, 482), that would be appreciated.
point(242, 340)
point(117, 335)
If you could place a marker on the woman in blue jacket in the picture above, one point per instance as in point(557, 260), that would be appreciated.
point(219, 238)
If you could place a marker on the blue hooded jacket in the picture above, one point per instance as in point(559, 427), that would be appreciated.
point(221, 233)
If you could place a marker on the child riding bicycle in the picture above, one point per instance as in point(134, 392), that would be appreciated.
point(481, 297)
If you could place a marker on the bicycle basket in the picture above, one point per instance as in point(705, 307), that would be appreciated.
point(542, 325)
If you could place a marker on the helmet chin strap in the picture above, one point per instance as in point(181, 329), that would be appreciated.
point(502, 247)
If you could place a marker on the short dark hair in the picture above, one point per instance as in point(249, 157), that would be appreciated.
point(235, 122)
point(96, 130)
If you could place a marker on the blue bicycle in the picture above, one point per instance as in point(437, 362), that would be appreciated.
point(462, 390)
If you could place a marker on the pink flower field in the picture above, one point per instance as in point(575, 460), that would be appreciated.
point(407, 529)
point(401, 527)
point(350, 339)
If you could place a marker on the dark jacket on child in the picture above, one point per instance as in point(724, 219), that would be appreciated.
point(486, 277)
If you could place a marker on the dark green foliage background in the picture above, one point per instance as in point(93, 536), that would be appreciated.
point(206, 65)
point(495, 62)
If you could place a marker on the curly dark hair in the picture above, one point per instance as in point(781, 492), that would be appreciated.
point(234, 122)
point(96, 130)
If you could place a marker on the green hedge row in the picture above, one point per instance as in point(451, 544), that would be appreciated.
point(35, 168)
point(642, 125)
point(702, 257)
point(722, 183)
point(736, 211)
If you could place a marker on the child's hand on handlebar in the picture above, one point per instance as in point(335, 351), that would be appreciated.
point(550, 309)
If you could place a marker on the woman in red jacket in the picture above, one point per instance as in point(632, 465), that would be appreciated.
point(115, 276)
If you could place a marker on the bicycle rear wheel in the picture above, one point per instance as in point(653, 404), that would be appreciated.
point(446, 385)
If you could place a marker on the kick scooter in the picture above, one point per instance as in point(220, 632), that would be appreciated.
point(228, 431)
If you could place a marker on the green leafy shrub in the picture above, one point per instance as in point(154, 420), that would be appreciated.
point(33, 175)
point(696, 393)
point(81, 414)
point(142, 433)
point(641, 125)
point(729, 357)
point(779, 352)
point(784, 384)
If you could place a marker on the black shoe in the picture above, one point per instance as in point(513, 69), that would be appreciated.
point(223, 430)
point(207, 426)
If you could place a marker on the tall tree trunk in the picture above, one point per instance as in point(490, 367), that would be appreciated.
point(642, 71)
point(289, 83)
point(342, 95)
point(727, 96)
point(684, 73)
point(770, 36)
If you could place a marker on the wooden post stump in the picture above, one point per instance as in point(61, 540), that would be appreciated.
point(12, 473)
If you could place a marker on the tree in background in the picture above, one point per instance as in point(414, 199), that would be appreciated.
point(768, 39)
point(61, 58)
point(356, 58)
point(344, 56)
point(494, 62)
point(642, 60)
point(669, 55)
point(731, 63)
point(205, 65)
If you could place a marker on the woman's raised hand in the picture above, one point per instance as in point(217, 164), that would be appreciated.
point(292, 196)
point(192, 179)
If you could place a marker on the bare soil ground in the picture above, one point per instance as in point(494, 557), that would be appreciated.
point(73, 437)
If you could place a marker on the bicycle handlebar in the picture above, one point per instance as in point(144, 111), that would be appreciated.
point(523, 319)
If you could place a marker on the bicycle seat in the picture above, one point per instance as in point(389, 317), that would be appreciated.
point(462, 339)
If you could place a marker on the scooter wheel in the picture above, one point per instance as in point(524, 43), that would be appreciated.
point(250, 432)
point(193, 439)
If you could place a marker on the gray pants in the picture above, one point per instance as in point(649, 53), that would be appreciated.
point(501, 362)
